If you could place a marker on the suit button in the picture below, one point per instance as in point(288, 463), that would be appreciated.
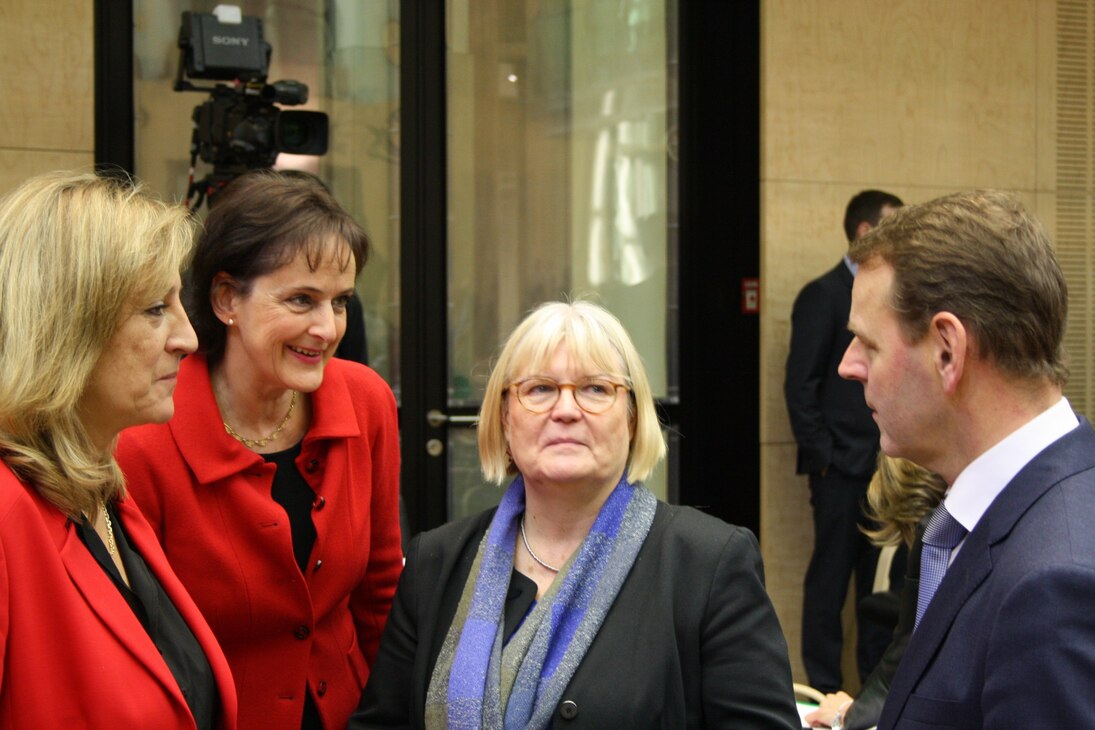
point(319, 503)
point(302, 632)
point(321, 688)
point(568, 710)
point(317, 566)
point(311, 466)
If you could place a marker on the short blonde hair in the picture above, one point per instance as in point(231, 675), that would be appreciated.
point(77, 252)
point(898, 497)
point(593, 337)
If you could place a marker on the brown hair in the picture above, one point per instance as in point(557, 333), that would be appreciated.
point(261, 221)
point(982, 257)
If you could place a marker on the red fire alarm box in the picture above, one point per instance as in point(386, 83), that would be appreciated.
point(750, 295)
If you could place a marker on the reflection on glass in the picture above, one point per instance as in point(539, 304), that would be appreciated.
point(469, 494)
point(346, 51)
point(558, 172)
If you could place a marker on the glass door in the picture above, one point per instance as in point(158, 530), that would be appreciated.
point(559, 185)
point(500, 153)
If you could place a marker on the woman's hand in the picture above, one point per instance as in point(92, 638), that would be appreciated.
point(830, 707)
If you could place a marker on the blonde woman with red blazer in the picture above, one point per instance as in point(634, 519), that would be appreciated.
point(95, 629)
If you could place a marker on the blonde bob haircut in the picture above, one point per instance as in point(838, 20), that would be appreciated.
point(595, 339)
point(78, 255)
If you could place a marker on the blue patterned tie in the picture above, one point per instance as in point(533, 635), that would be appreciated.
point(940, 536)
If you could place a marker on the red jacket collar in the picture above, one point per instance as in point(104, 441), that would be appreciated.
point(214, 455)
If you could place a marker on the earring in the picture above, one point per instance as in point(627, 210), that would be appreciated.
point(231, 321)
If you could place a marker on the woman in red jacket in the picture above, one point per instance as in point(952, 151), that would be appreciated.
point(274, 489)
point(95, 629)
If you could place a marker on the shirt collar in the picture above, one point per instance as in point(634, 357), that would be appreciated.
point(987, 475)
point(852, 265)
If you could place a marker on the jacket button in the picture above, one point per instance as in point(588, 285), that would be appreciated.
point(302, 632)
point(568, 710)
point(317, 566)
point(319, 503)
point(321, 688)
point(311, 466)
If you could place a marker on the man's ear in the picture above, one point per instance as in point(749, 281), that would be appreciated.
point(862, 229)
point(224, 296)
point(951, 349)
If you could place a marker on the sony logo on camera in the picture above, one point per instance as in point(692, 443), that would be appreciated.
point(228, 40)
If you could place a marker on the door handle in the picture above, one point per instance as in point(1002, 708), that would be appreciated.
point(437, 419)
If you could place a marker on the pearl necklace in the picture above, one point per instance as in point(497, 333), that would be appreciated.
point(524, 539)
point(259, 443)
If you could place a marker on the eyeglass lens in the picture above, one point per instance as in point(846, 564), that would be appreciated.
point(594, 395)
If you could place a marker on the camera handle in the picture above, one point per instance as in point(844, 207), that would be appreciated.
point(204, 190)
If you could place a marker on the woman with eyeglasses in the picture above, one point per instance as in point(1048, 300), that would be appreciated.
point(581, 600)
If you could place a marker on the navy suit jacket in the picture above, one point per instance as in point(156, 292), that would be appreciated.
point(1009, 638)
point(829, 415)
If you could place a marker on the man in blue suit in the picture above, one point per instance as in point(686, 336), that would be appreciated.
point(958, 312)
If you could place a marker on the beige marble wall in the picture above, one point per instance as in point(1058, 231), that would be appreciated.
point(47, 84)
point(917, 97)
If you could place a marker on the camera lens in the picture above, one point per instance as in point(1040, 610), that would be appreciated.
point(302, 133)
point(294, 134)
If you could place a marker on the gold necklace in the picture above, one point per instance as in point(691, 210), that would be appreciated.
point(259, 443)
point(111, 546)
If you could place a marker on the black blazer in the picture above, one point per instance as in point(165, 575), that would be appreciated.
point(692, 640)
point(867, 707)
point(829, 415)
point(1009, 637)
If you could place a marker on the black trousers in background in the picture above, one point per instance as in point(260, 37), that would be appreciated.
point(840, 550)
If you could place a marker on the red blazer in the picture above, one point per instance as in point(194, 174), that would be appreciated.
point(208, 499)
point(72, 653)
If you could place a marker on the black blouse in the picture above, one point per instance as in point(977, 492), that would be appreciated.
point(150, 603)
point(520, 600)
point(296, 497)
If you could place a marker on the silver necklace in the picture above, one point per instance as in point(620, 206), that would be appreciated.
point(524, 539)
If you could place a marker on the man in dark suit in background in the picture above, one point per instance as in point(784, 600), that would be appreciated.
point(958, 312)
point(837, 445)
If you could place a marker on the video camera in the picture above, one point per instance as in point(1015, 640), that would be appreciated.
point(240, 128)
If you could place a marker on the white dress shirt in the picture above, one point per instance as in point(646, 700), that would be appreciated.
point(986, 476)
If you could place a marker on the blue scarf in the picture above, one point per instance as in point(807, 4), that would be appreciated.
point(478, 683)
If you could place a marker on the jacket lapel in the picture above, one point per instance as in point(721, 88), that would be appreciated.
point(973, 564)
point(143, 540)
point(112, 609)
point(970, 569)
